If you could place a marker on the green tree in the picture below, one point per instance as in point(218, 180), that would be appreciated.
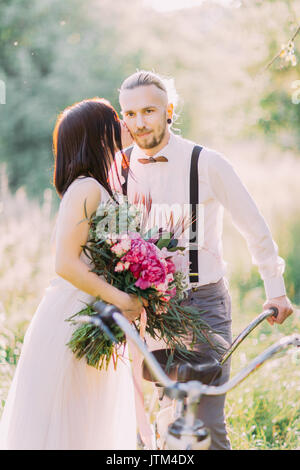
point(52, 54)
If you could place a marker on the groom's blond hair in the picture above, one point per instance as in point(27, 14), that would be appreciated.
point(147, 78)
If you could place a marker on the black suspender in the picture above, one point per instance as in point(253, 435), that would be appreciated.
point(194, 205)
point(194, 210)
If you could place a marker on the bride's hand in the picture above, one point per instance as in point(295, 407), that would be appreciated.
point(125, 135)
point(131, 306)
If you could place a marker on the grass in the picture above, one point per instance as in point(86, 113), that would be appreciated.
point(263, 412)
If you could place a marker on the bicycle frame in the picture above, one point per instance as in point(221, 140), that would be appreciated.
point(187, 432)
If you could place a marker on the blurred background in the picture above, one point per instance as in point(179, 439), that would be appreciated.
point(235, 65)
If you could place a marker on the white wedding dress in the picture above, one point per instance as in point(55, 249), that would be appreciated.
point(57, 401)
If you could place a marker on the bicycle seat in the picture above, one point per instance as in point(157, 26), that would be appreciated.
point(202, 367)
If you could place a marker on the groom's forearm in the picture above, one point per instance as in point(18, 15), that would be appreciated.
point(230, 191)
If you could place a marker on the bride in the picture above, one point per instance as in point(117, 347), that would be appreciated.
point(55, 400)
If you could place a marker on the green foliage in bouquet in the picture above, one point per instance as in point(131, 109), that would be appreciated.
point(129, 257)
point(89, 341)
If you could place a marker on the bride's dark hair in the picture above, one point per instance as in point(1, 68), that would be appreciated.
point(86, 136)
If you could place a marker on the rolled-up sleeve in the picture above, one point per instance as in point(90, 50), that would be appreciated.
point(233, 195)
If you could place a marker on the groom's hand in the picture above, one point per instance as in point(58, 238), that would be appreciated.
point(284, 307)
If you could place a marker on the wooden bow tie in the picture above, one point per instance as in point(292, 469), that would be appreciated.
point(144, 161)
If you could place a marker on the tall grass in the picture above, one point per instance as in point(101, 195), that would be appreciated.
point(264, 411)
point(26, 265)
point(25, 252)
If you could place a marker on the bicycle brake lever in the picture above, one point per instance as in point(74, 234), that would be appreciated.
point(106, 312)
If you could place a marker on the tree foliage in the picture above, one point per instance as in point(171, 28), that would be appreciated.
point(52, 54)
point(55, 53)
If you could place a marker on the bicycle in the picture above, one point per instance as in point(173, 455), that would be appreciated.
point(186, 382)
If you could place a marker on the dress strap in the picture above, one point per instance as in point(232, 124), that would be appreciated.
point(104, 194)
point(82, 178)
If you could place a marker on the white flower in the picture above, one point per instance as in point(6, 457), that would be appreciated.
point(117, 249)
point(120, 267)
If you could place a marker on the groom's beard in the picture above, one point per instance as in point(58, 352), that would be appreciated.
point(154, 140)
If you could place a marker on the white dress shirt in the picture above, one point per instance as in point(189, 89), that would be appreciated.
point(219, 187)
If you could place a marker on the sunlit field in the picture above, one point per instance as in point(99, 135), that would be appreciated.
point(264, 411)
point(25, 270)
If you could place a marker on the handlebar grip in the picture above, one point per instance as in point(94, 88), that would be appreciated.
point(275, 310)
point(106, 311)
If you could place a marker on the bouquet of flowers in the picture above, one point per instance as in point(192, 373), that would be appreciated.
point(140, 262)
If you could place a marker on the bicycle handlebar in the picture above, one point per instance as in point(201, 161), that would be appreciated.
point(109, 313)
point(283, 343)
point(271, 312)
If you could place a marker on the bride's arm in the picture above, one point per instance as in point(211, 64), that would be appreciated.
point(70, 236)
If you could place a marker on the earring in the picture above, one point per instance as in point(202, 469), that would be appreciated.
point(169, 120)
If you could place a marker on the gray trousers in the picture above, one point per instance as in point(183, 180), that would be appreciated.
point(215, 300)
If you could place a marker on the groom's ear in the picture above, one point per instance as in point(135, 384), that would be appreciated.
point(170, 111)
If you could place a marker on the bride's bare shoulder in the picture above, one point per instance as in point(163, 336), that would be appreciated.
point(83, 185)
point(85, 191)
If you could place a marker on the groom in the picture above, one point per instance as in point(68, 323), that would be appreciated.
point(160, 165)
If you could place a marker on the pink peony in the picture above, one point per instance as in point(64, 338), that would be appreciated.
point(168, 259)
point(170, 266)
point(145, 263)
point(153, 273)
point(171, 292)
point(150, 266)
